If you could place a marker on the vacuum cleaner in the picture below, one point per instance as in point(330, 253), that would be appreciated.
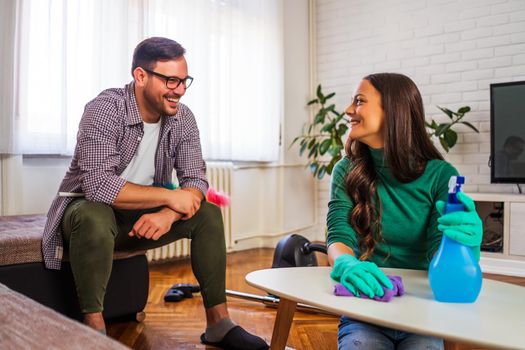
point(296, 251)
point(291, 251)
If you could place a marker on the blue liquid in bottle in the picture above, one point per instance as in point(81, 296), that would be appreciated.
point(454, 273)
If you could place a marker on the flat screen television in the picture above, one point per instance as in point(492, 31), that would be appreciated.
point(507, 132)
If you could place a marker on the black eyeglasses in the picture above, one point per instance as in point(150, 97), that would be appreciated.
point(172, 82)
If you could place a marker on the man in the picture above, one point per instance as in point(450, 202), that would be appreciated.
point(128, 143)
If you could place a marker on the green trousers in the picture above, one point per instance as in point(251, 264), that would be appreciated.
point(93, 231)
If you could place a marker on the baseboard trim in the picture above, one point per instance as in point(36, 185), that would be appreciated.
point(503, 266)
point(270, 240)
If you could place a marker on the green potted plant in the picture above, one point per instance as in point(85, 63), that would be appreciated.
point(443, 131)
point(322, 138)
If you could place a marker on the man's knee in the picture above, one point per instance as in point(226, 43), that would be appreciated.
point(94, 221)
point(210, 220)
point(211, 214)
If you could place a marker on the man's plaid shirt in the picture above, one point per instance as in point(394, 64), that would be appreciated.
point(108, 137)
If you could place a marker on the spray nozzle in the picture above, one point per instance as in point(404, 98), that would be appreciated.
point(454, 186)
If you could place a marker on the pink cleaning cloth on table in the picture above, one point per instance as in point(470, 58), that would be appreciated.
point(398, 290)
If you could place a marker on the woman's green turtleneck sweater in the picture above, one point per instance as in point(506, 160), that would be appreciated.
point(409, 215)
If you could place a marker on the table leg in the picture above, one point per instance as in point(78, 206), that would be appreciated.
point(283, 322)
point(450, 345)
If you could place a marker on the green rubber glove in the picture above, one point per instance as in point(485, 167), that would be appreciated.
point(360, 276)
point(462, 226)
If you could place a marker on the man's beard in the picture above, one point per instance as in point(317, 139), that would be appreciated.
point(159, 107)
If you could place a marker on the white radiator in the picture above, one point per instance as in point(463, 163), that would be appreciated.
point(220, 178)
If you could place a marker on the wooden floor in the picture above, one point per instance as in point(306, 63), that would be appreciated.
point(179, 325)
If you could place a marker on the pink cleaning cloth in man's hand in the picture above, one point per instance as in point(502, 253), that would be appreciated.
point(398, 290)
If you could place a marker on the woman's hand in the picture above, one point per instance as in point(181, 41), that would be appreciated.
point(464, 227)
point(360, 276)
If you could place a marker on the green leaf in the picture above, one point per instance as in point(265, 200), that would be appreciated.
point(303, 147)
point(313, 151)
point(327, 127)
point(335, 150)
point(470, 126)
point(322, 171)
point(447, 112)
point(337, 141)
point(319, 94)
point(322, 113)
point(319, 118)
point(325, 145)
point(338, 116)
point(331, 165)
point(297, 139)
point(329, 96)
point(451, 137)
point(444, 144)
point(434, 125)
point(464, 110)
point(442, 128)
point(313, 167)
point(342, 129)
point(311, 143)
point(330, 108)
point(312, 102)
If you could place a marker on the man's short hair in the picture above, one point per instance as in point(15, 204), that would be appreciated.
point(154, 49)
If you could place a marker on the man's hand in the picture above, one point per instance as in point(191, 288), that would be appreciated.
point(154, 225)
point(185, 202)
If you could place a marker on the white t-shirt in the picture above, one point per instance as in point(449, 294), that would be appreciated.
point(141, 169)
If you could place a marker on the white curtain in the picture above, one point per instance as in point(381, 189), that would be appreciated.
point(66, 52)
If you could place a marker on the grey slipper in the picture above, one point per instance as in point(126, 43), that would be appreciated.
point(238, 339)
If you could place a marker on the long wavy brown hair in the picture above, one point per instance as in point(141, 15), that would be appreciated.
point(407, 150)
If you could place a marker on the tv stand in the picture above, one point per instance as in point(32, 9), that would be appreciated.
point(503, 248)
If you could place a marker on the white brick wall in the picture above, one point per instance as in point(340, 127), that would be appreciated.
point(452, 49)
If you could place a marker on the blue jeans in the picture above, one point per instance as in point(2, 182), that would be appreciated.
point(356, 335)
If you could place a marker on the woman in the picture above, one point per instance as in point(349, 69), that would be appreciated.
point(386, 203)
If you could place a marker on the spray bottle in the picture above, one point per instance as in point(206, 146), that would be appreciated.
point(454, 273)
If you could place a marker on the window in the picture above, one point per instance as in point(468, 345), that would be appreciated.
point(66, 52)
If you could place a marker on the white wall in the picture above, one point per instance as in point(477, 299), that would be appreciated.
point(299, 187)
point(452, 49)
point(30, 183)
